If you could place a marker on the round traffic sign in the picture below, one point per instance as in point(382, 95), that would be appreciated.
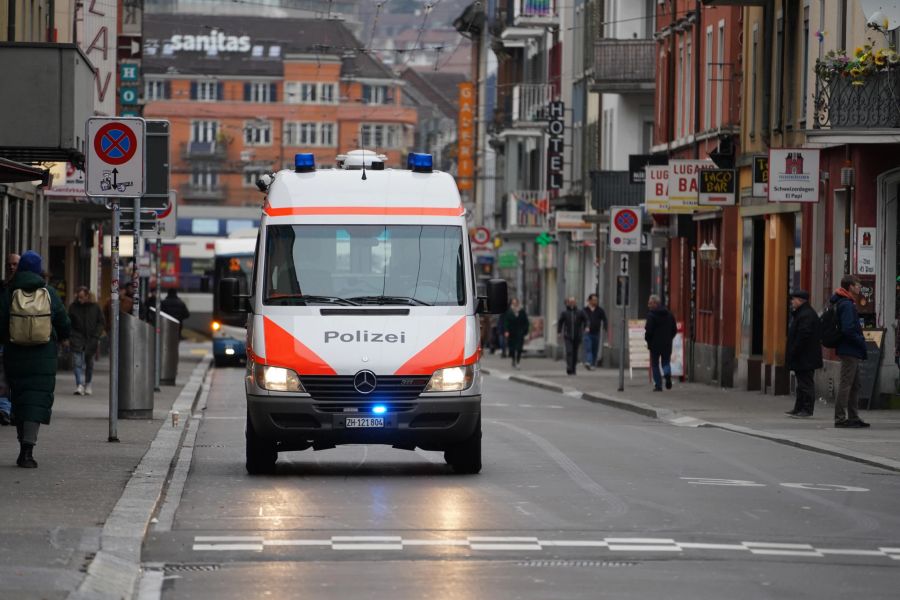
point(115, 143)
point(481, 235)
point(626, 220)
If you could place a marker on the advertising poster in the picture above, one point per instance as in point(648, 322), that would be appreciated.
point(684, 195)
point(656, 189)
point(793, 175)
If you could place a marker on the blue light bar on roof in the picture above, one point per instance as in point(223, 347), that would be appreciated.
point(304, 162)
point(420, 162)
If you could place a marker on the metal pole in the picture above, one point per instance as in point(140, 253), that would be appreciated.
point(135, 272)
point(622, 338)
point(158, 302)
point(114, 325)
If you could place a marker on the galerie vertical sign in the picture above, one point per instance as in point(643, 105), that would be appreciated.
point(557, 129)
point(465, 137)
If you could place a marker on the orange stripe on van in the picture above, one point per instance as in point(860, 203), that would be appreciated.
point(284, 350)
point(392, 211)
point(446, 351)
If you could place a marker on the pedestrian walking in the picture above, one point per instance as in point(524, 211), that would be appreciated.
point(12, 263)
point(659, 331)
point(175, 307)
point(126, 304)
point(570, 327)
point(851, 350)
point(515, 329)
point(804, 352)
point(596, 322)
point(32, 321)
point(87, 327)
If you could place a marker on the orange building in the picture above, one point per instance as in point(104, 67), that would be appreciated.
point(243, 95)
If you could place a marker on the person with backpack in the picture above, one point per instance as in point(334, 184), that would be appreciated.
point(804, 352)
point(850, 346)
point(33, 320)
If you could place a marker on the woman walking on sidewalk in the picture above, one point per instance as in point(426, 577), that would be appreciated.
point(87, 327)
point(30, 354)
point(515, 328)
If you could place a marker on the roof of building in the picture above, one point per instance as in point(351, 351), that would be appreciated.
point(441, 89)
point(180, 44)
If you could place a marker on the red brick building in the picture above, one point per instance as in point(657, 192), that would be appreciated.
point(243, 95)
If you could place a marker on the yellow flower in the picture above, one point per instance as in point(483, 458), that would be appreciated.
point(855, 71)
point(859, 50)
point(879, 60)
point(858, 82)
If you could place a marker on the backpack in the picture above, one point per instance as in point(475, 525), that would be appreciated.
point(30, 317)
point(830, 324)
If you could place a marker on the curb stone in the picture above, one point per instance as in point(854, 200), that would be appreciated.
point(115, 570)
point(685, 420)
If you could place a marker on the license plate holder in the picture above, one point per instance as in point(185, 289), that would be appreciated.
point(364, 423)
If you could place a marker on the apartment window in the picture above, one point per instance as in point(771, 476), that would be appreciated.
point(754, 77)
point(250, 177)
point(805, 76)
point(707, 97)
point(309, 134)
point(206, 91)
point(157, 90)
point(661, 99)
point(679, 97)
point(376, 135)
point(376, 94)
point(303, 92)
point(779, 72)
point(204, 179)
point(327, 134)
point(720, 81)
point(327, 94)
point(688, 89)
point(204, 131)
point(257, 133)
point(260, 92)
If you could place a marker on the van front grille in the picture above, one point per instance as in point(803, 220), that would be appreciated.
point(339, 388)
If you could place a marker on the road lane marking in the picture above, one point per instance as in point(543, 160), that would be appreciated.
point(722, 482)
point(393, 543)
point(825, 487)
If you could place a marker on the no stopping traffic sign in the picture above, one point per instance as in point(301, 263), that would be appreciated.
point(115, 157)
point(625, 229)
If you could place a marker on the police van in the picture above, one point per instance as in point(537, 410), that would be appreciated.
point(362, 315)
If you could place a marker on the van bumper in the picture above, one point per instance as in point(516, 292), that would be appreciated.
point(428, 423)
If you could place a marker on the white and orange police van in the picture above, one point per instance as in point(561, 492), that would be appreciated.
point(362, 322)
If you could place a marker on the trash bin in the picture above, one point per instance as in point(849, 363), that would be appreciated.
point(169, 336)
point(136, 376)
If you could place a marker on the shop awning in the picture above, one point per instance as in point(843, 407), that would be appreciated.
point(14, 172)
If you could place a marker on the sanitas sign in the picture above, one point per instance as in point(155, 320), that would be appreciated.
point(215, 42)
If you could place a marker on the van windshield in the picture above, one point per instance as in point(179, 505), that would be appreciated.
point(364, 264)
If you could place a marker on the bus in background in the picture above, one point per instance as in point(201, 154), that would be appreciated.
point(233, 260)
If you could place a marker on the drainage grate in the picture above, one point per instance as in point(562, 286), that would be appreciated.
point(210, 446)
point(191, 568)
point(576, 563)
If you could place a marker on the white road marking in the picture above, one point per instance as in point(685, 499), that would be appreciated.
point(528, 544)
point(524, 406)
point(574, 394)
point(722, 482)
point(825, 487)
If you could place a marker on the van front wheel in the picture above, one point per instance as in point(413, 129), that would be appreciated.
point(261, 454)
point(465, 457)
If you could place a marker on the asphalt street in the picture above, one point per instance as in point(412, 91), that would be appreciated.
point(575, 500)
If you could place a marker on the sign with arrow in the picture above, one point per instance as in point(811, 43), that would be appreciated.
point(115, 157)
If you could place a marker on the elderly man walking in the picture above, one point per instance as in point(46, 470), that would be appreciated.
point(32, 321)
point(571, 327)
point(804, 352)
point(659, 331)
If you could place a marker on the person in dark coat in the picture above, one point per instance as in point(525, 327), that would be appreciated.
point(804, 352)
point(851, 350)
point(87, 327)
point(571, 325)
point(515, 328)
point(596, 322)
point(12, 263)
point(173, 306)
point(659, 331)
point(31, 370)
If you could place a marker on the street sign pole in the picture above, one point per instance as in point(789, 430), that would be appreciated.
point(158, 303)
point(114, 325)
point(622, 283)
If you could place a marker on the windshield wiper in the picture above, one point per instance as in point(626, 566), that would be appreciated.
point(390, 300)
point(305, 298)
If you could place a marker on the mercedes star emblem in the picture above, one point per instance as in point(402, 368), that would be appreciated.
point(364, 382)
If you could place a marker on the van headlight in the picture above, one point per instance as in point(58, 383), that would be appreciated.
point(452, 379)
point(277, 379)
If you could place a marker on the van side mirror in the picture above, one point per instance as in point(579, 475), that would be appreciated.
point(497, 296)
point(230, 298)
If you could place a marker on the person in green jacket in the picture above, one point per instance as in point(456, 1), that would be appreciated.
point(31, 370)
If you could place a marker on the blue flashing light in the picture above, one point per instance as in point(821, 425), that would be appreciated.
point(304, 162)
point(379, 409)
point(420, 162)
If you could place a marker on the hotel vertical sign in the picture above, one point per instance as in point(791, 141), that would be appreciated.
point(557, 128)
point(465, 137)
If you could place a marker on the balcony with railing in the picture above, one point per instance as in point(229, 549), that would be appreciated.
point(204, 192)
point(529, 103)
point(519, 20)
point(872, 104)
point(208, 151)
point(527, 211)
point(623, 66)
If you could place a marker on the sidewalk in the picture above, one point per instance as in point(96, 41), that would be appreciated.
point(52, 517)
point(699, 405)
